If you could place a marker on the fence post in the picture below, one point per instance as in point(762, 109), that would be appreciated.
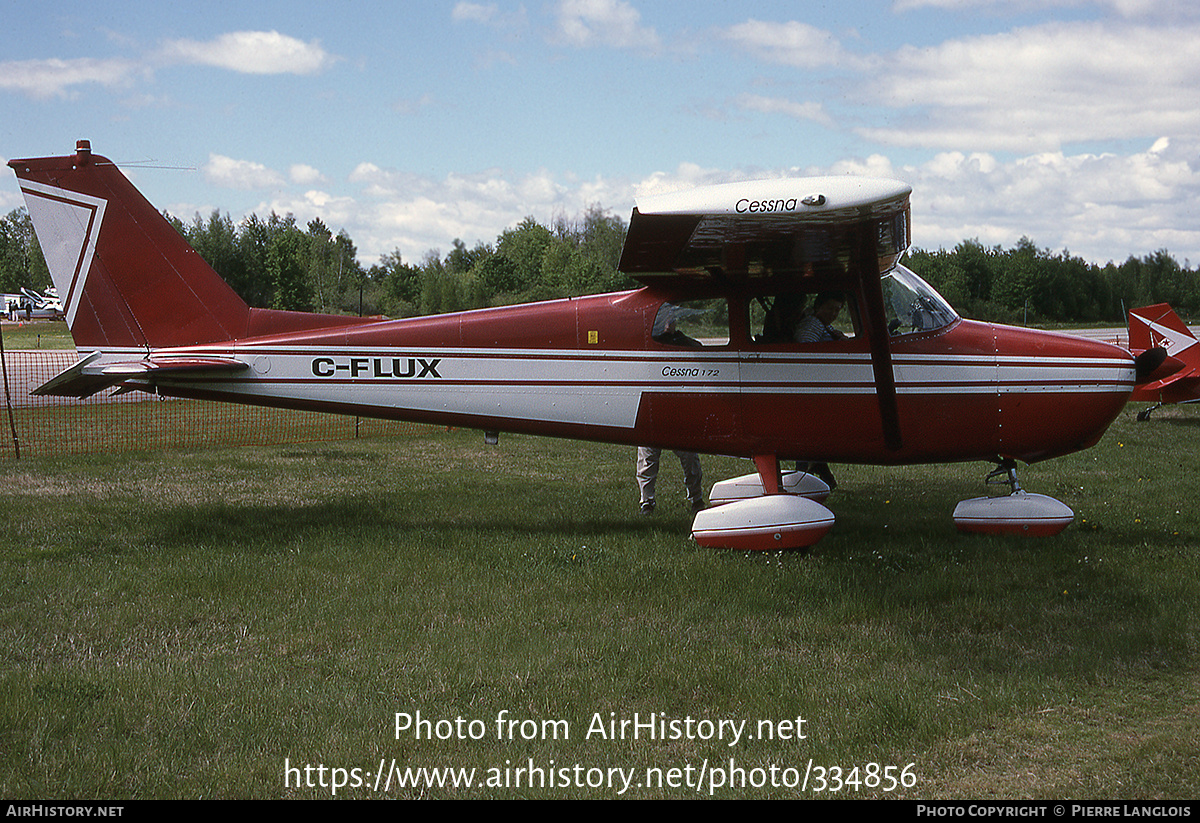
point(8, 398)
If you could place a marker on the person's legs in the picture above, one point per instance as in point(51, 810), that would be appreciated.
point(693, 479)
point(647, 473)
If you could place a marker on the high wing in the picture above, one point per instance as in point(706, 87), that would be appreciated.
point(809, 234)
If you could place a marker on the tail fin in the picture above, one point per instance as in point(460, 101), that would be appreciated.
point(125, 276)
point(1159, 326)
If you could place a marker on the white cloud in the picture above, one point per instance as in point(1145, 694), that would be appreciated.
point(240, 174)
point(777, 105)
point(335, 211)
point(251, 52)
point(1040, 88)
point(1125, 8)
point(1100, 207)
point(416, 213)
point(246, 52)
point(613, 23)
point(790, 44)
point(489, 14)
point(305, 175)
point(690, 175)
point(9, 199)
point(474, 12)
point(52, 77)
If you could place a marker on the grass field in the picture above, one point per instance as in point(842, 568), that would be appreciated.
point(185, 624)
point(80, 428)
point(36, 334)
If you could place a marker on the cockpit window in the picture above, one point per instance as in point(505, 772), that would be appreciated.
point(692, 323)
point(912, 305)
point(793, 317)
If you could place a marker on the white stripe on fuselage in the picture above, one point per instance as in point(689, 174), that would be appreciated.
point(605, 387)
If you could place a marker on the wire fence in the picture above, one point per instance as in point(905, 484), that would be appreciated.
point(137, 421)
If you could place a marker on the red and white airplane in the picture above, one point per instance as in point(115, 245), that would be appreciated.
point(690, 361)
point(1177, 380)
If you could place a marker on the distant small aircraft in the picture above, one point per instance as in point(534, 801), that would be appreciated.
point(29, 305)
point(695, 360)
point(1177, 380)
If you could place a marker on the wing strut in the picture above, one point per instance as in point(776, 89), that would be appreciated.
point(874, 317)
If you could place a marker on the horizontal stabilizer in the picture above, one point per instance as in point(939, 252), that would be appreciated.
point(87, 377)
point(1188, 383)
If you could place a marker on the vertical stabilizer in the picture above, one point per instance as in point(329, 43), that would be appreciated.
point(125, 276)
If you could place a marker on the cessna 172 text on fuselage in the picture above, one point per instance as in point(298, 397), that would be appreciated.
point(685, 362)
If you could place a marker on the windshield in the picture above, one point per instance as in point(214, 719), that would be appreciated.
point(912, 305)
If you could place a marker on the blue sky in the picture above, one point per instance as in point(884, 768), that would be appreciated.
point(1073, 122)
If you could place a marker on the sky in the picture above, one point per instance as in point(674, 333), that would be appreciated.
point(1075, 123)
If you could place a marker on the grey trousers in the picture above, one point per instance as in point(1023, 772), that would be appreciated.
point(647, 473)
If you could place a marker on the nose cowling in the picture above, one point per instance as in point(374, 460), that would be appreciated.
point(1058, 393)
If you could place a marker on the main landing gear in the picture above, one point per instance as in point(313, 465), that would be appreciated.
point(765, 511)
point(768, 510)
point(1018, 512)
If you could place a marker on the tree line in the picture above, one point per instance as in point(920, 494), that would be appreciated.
point(1025, 285)
point(277, 263)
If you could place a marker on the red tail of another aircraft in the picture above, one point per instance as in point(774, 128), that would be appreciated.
point(1158, 326)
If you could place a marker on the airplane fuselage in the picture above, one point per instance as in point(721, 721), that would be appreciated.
point(589, 368)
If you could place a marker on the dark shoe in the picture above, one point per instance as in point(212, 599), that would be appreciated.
point(648, 508)
point(818, 470)
point(698, 506)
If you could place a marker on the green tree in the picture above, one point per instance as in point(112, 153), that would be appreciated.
point(525, 246)
point(285, 263)
point(401, 284)
point(253, 245)
point(21, 262)
point(461, 259)
point(351, 280)
point(497, 275)
point(216, 240)
point(318, 254)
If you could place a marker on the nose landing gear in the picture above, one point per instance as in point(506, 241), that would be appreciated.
point(1018, 512)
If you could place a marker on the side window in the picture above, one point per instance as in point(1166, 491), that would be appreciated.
point(799, 318)
point(692, 323)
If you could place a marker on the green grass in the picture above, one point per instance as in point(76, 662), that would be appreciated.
point(36, 334)
point(79, 428)
point(176, 624)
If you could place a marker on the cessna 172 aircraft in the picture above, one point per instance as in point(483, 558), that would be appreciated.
point(693, 360)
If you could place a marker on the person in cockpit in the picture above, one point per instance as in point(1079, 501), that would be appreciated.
point(818, 325)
